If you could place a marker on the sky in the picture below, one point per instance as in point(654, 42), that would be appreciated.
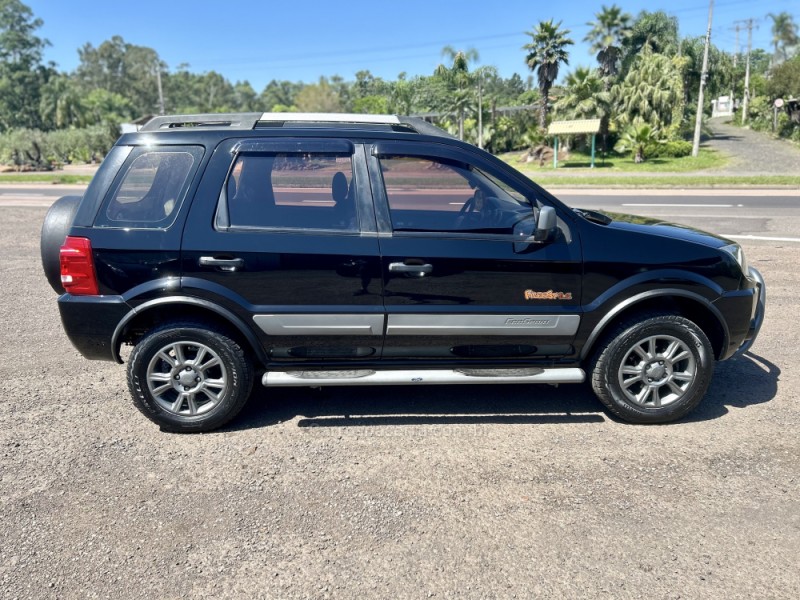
point(263, 40)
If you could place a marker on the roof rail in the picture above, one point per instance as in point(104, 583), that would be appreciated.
point(251, 120)
point(209, 120)
point(289, 117)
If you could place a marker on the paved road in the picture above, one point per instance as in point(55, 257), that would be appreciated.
point(763, 213)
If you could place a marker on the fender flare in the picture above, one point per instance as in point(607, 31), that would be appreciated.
point(234, 320)
point(633, 300)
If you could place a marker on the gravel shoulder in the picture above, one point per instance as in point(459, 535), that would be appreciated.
point(451, 492)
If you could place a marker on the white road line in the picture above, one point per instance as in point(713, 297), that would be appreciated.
point(21, 194)
point(760, 237)
point(688, 205)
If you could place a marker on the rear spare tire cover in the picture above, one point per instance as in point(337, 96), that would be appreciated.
point(55, 228)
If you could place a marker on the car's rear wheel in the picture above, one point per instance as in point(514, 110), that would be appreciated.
point(653, 370)
point(187, 377)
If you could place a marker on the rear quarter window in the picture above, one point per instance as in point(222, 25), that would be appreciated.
point(151, 189)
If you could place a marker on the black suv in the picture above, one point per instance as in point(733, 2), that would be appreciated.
point(317, 250)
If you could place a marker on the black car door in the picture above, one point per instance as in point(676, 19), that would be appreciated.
point(458, 281)
point(288, 243)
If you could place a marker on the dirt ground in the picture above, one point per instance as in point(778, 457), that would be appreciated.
point(455, 492)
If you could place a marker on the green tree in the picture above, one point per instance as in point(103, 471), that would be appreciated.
point(21, 73)
point(245, 98)
point(62, 104)
point(656, 31)
point(546, 52)
point(124, 69)
point(652, 91)
point(107, 108)
point(784, 34)
point(606, 36)
point(319, 97)
point(583, 96)
point(403, 94)
point(784, 81)
point(279, 93)
point(458, 81)
point(636, 138)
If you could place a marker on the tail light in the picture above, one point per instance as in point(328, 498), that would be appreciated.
point(77, 267)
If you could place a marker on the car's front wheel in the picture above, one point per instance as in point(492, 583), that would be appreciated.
point(187, 377)
point(653, 370)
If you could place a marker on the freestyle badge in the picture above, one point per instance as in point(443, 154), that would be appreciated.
point(548, 295)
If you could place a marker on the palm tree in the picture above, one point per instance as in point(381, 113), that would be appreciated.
point(652, 91)
point(606, 36)
point(656, 31)
point(784, 33)
point(458, 79)
point(546, 52)
point(584, 96)
point(636, 138)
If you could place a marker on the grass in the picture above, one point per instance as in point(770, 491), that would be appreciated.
point(621, 171)
point(580, 162)
point(667, 181)
point(53, 178)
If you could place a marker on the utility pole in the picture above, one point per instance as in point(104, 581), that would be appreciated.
point(698, 123)
point(735, 60)
point(161, 110)
point(480, 109)
point(746, 95)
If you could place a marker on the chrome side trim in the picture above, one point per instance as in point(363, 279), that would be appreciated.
point(409, 377)
point(328, 324)
point(483, 325)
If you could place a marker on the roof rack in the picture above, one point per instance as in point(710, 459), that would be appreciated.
point(251, 120)
point(210, 120)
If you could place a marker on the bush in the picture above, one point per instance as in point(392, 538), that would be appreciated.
point(30, 148)
point(671, 149)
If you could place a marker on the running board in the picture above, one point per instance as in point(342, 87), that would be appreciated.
point(442, 377)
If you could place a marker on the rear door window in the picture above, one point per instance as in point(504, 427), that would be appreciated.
point(292, 191)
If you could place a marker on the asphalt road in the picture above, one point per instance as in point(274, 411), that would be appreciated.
point(447, 492)
point(739, 214)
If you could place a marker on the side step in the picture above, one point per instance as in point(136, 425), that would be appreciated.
point(442, 377)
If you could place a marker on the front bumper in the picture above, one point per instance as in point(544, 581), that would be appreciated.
point(759, 308)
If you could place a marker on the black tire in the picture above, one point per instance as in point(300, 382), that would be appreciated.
point(56, 226)
point(653, 370)
point(190, 392)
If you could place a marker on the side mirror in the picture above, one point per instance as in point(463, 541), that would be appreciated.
point(546, 225)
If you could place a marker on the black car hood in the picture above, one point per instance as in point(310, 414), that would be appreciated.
point(650, 226)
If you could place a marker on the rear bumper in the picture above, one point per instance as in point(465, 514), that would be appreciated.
point(90, 321)
point(759, 308)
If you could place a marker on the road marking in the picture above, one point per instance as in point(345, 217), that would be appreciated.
point(21, 194)
point(688, 205)
point(760, 237)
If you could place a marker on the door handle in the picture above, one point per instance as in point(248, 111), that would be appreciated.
point(224, 264)
point(420, 270)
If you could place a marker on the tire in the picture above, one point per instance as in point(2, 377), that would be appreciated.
point(56, 226)
point(189, 377)
point(653, 370)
